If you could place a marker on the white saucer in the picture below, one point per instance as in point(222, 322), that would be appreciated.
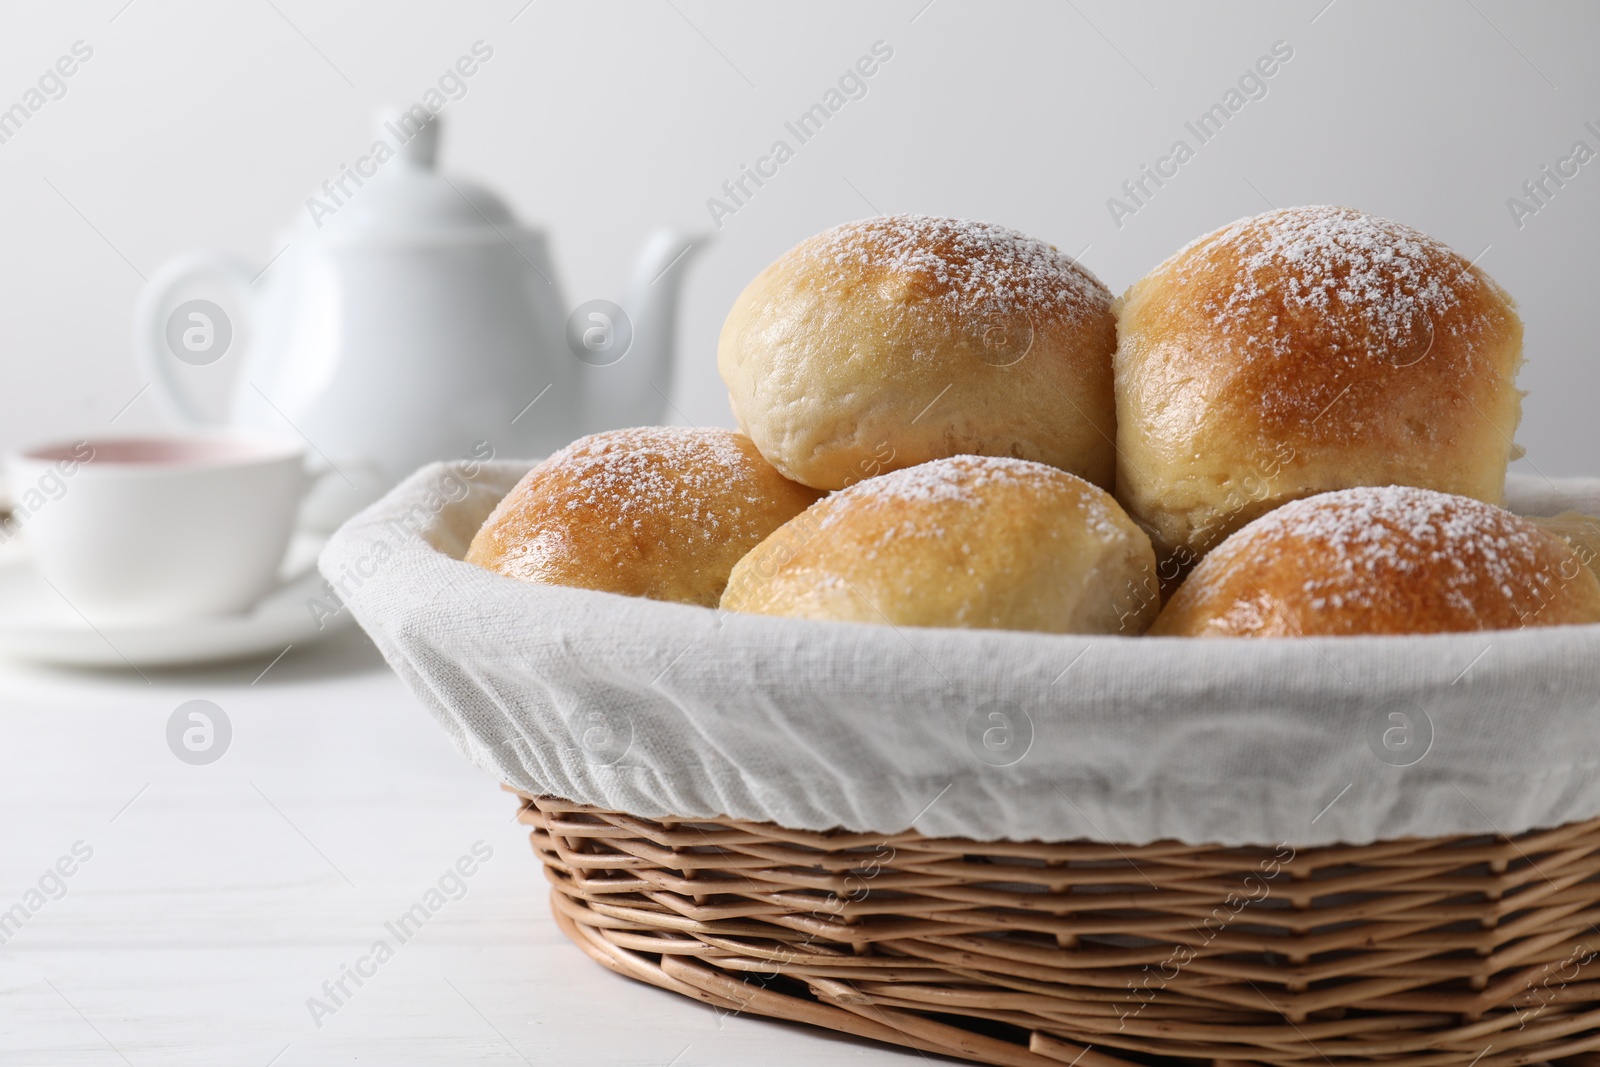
point(37, 624)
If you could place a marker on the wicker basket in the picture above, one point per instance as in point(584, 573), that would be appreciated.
point(1444, 952)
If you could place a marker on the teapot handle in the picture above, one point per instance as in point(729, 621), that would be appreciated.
point(199, 332)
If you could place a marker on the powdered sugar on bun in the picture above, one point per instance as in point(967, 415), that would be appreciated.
point(1333, 287)
point(1390, 559)
point(968, 481)
point(893, 341)
point(1306, 350)
point(1338, 263)
point(974, 268)
point(661, 474)
point(968, 541)
point(662, 512)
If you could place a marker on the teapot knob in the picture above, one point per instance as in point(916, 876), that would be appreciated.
point(414, 132)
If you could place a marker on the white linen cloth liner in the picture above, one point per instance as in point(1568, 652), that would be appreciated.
point(670, 710)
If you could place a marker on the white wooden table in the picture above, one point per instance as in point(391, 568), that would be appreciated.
point(218, 899)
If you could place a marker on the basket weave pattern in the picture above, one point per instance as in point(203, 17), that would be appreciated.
point(1441, 952)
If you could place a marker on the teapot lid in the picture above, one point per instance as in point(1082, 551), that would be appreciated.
point(394, 189)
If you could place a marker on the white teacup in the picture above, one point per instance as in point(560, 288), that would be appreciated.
point(153, 529)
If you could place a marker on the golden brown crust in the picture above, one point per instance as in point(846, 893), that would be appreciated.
point(1390, 560)
point(893, 341)
point(1580, 532)
point(1305, 350)
point(661, 512)
point(968, 541)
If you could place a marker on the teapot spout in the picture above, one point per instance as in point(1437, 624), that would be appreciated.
point(634, 390)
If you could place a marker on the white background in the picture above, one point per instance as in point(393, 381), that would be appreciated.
point(206, 124)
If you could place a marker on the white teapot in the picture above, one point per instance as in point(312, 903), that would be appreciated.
point(410, 318)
